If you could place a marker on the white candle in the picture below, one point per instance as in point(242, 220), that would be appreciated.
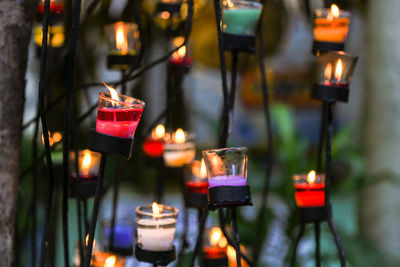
point(178, 151)
point(157, 234)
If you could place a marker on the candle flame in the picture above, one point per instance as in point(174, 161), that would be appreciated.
point(51, 140)
point(335, 11)
point(86, 162)
point(165, 15)
point(179, 136)
point(110, 261)
point(158, 132)
point(57, 137)
point(114, 95)
point(87, 242)
point(203, 169)
point(121, 41)
point(215, 236)
point(156, 209)
point(328, 72)
point(178, 41)
point(311, 177)
point(339, 70)
point(231, 253)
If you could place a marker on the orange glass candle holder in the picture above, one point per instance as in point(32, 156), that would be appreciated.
point(310, 190)
point(331, 25)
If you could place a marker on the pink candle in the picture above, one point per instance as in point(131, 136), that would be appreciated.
point(118, 122)
point(227, 180)
point(118, 115)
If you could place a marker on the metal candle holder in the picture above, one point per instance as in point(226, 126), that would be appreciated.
point(161, 258)
point(107, 144)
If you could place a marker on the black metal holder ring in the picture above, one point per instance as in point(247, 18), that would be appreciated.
point(330, 93)
point(172, 8)
point(196, 200)
point(122, 251)
point(83, 188)
point(228, 196)
point(313, 214)
point(326, 47)
point(178, 69)
point(239, 43)
point(218, 262)
point(121, 62)
point(108, 144)
point(162, 258)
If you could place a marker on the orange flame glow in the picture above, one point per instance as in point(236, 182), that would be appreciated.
point(156, 209)
point(335, 11)
point(86, 162)
point(114, 94)
point(311, 177)
point(158, 132)
point(110, 261)
point(339, 70)
point(179, 136)
point(328, 72)
point(120, 40)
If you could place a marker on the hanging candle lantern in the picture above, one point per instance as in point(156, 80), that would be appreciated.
point(117, 119)
point(227, 177)
point(153, 145)
point(83, 184)
point(179, 149)
point(124, 45)
point(240, 17)
point(334, 72)
point(214, 251)
point(331, 27)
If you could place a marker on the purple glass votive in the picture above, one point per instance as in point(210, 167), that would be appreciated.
point(123, 235)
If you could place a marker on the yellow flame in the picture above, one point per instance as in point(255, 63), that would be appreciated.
point(114, 94)
point(121, 41)
point(215, 236)
point(86, 162)
point(203, 170)
point(335, 11)
point(57, 137)
point(165, 15)
point(311, 177)
point(156, 209)
point(328, 72)
point(339, 70)
point(179, 136)
point(51, 140)
point(181, 52)
point(110, 261)
point(158, 132)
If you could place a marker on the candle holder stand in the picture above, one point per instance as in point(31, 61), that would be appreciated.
point(178, 70)
point(330, 93)
point(122, 62)
point(228, 196)
point(82, 188)
point(313, 214)
point(126, 252)
point(196, 200)
point(219, 262)
point(321, 47)
point(239, 42)
point(161, 258)
point(172, 8)
point(107, 144)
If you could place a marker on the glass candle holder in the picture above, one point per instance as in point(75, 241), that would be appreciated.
point(88, 164)
point(123, 235)
point(123, 38)
point(156, 225)
point(215, 244)
point(310, 189)
point(178, 57)
point(106, 259)
point(179, 149)
point(240, 17)
point(55, 37)
point(226, 166)
point(196, 177)
point(56, 6)
point(335, 68)
point(118, 115)
point(153, 145)
point(331, 25)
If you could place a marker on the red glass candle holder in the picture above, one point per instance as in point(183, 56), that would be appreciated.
point(119, 115)
point(310, 190)
point(215, 244)
point(196, 177)
point(56, 6)
point(153, 145)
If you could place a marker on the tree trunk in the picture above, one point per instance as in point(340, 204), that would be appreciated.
point(380, 210)
point(16, 18)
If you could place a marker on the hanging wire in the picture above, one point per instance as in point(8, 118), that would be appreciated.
point(42, 88)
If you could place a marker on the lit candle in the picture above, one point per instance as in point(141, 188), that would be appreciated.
point(153, 145)
point(56, 6)
point(88, 164)
point(240, 17)
point(178, 57)
point(178, 150)
point(106, 259)
point(226, 166)
point(156, 225)
point(55, 38)
point(331, 25)
point(215, 244)
point(334, 78)
point(309, 189)
point(123, 38)
point(118, 115)
point(197, 182)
